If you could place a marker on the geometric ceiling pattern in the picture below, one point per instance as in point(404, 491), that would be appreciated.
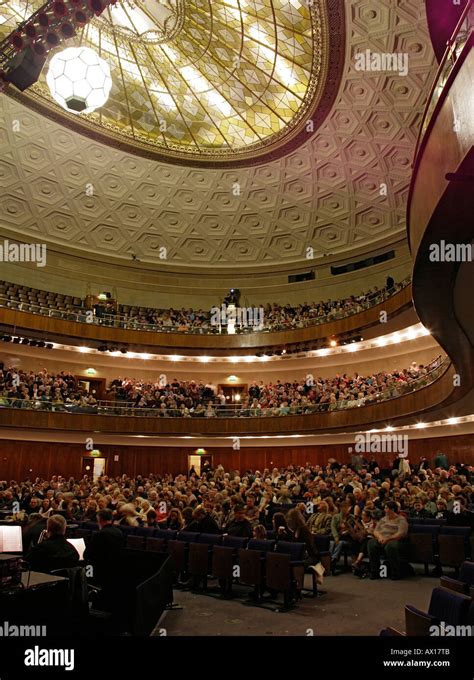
point(326, 193)
point(199, 77)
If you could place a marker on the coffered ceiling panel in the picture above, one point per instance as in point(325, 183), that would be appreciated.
point(344, 187)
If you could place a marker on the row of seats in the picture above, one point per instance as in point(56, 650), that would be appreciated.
point(451, 604)
point(440, 545)
point(41, 298)
point(261, 565)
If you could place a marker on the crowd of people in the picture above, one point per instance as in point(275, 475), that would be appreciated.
point(361, 508)
point(275, 316)
point(179, 398)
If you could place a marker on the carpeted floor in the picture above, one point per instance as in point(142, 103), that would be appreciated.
point(351, 606)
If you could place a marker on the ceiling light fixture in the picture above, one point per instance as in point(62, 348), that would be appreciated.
point(79, 80)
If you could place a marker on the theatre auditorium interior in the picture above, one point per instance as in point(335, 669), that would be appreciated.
point(236, 328)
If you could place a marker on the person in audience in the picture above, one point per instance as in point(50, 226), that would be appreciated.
point(105, 552)
point(259, 532)
point(341, 525)
point(175, 520)
point(32, 530)
point(280, 527)
point(418, 510)
point(53, 551)
point(202, 522)
point(301, 534)
point(441, 509)
point(320, 522)
point(365, 528)
point(388, 536)
point(239, 525)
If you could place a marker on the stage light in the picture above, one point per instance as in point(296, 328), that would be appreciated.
point(80, 18)
point(52, 39)
point(333, 343)
point(43, 19)
point(59, 9)
point(16, 341)
point(41, 343)
point(30, 30)
point(79, 80)
point(67, 30)
point(25, 68)
point(18, 42)
point(124, 350)
point(49, 345)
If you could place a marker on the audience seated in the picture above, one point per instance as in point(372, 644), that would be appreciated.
point(276, 316)
point(322, 498)
point(388, 535)
point(178, 398)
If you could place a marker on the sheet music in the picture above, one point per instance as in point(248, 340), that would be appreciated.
point(10, 539)
point(79, 544)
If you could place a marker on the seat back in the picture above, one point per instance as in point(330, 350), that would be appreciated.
point(452, 547)
point(278, 571)
point(210, 539)
point(251, 567)
point(223, 561)
point(448, 606)
point(198, 559)
point(466, 573)
point(235, 542)
point(421, 547)
point(155, 544)
point(165, 534)
point(135, 542)
point(418, 623)
point(177, 550)
point(187, 536)
point(294, 550)
point(144, 531)
point(126, 529)
point(263, 546)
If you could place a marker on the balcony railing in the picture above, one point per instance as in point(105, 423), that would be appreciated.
point(454, 48)
point(127, 408)
point(131, 323)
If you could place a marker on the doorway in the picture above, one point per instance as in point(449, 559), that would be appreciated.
point(94, 386)
point(233, 393)
point(93, 467)
point(201, 462)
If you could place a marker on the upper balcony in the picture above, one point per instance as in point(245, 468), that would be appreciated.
point(118, 330)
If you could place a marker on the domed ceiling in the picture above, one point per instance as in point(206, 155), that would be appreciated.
point(216, 79)
point(83, 197)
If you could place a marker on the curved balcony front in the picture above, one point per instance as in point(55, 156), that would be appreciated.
point(420, 396)
point(58, 326)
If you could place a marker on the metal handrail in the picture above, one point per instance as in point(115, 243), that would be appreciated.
point(447, 64)
point(117, 408)
point(81, 315)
